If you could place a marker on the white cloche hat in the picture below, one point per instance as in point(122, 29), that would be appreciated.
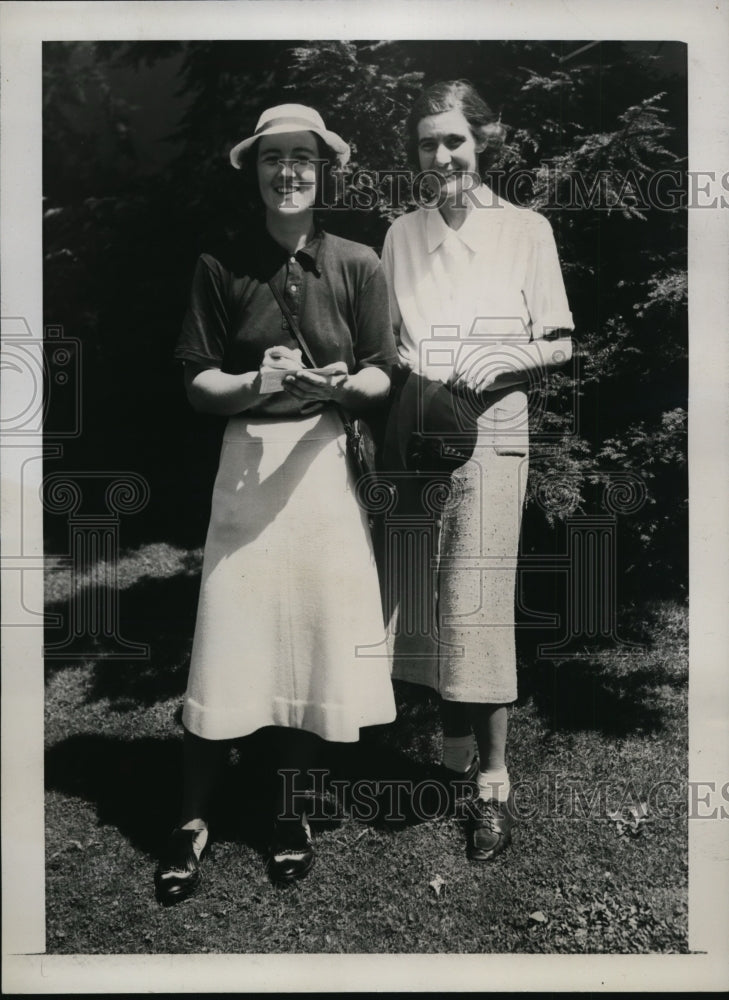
point(291, 118)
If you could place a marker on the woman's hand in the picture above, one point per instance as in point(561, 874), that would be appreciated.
point(282, 357)
point(499, 366)
point(321, 385)
point(478, 368)
point(276, 362)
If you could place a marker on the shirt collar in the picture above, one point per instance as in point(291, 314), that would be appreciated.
point(308, 256)
point(470, 233)
point(435, 229)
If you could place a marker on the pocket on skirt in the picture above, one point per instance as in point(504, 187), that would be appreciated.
point(511, 432)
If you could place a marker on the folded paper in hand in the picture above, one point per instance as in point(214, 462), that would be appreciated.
point(272, 379)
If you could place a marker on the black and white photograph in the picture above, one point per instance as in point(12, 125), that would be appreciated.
point(365, 463)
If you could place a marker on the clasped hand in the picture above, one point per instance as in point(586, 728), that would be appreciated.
point(484, 368)
point(306, 384)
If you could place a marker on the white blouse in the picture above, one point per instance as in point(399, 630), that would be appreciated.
point(497, 279)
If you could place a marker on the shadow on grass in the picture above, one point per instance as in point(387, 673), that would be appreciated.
point(404, 789)
point(582, 694)
point(159, 613)
point(136, 785)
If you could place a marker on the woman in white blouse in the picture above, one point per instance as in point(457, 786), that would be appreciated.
point(477, 300)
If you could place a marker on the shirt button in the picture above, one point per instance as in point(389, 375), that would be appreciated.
point(292, 260)
point(293, 288)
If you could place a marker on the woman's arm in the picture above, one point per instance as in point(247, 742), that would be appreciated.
point(388, 269)
point(364, 389)
point(356, 393)
point(498, 366)
point(210, 390)
point(502, 365)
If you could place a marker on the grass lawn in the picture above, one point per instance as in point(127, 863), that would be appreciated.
point(590, 739)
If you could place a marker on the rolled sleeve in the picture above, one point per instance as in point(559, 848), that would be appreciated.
point(544, 290)
point(388, 267)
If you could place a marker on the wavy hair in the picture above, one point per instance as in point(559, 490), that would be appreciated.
point(462, 96)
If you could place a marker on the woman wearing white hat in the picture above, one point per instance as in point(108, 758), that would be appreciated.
point(289, 585)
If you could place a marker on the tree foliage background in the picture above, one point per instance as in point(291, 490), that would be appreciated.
point(123, 228)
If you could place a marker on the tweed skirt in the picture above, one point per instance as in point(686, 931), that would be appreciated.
point(448, 559)
point(289, 590)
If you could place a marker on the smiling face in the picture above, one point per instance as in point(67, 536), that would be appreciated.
point(286, 166)
point(448, 148)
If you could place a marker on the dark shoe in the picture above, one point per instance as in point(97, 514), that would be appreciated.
point(291, 854)
point(489, 828)
point(178, 872)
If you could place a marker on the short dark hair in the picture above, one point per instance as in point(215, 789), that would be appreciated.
point(463, 96)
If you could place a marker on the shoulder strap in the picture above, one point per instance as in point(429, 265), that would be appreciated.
point(293, 325)
point(352, 431)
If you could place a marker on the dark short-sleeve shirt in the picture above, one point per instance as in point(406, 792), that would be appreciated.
point(335, 288)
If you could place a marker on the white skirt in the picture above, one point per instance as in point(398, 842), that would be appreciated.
point(289, 590)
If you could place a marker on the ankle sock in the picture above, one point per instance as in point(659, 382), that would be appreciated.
point(458, 752)
point(494, 784)
point(201, 834)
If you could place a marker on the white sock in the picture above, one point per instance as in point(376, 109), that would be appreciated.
point(459, 751)
point(201, 834)
point(494, 784)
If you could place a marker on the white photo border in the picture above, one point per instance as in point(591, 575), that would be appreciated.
point(703, 26)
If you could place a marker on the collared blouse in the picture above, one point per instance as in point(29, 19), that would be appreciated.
point(497, 279)
point(335, 289)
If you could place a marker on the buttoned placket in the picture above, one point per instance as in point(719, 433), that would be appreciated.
point(293, 287)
